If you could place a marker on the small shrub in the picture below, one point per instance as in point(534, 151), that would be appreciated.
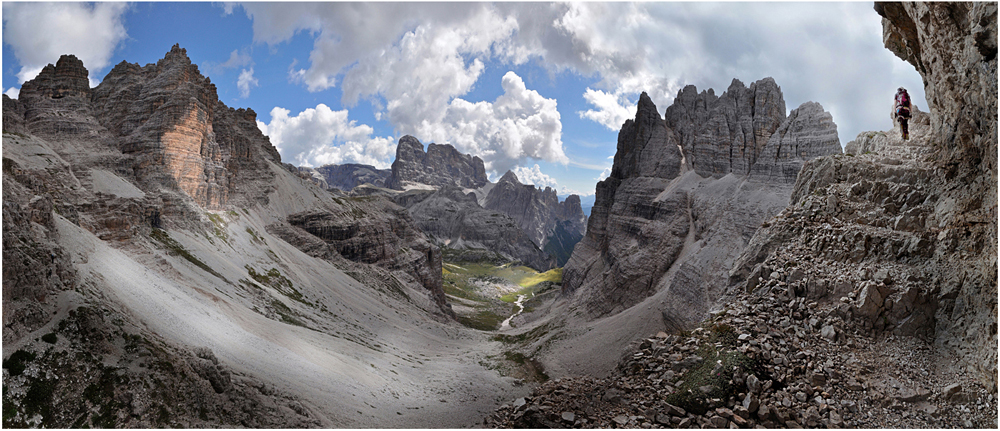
point(50, 338)
point(17, 361)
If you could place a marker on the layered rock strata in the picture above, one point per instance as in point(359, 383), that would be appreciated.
point(373, 230)
point(168, 119)
point(456, 221)
point(686, 187)
point(441, 165)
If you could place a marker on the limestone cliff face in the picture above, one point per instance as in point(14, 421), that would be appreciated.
point(537, 211)
point(456, 221)
point(726, 133)
point(907, 228)
point(169, 119)
point(687, 193)
point(440, 165)
point(954, 48)
point(373, 230)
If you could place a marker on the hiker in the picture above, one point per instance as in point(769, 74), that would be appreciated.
point(901, 110)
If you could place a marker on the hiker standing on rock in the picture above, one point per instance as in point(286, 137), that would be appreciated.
point(901, 110)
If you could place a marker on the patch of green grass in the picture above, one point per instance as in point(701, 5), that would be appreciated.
point(287, 315)
point(219, 226)
point(552, 275)
point(483, 320)
point(276, 281)
point(174, 248)
point(255, 237)
point(713, 373)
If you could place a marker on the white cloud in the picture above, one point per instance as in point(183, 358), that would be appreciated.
point(534, 176)
point(12, 92)
point(320, 136)
point(40, 32)
point(421, 58)
point(236, 59)
point(604, 174)
point(612, 109)
point(245, 81)
point(519, 124)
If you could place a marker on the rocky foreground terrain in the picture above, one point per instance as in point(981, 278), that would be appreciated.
point(869, 301)
point(163, 268)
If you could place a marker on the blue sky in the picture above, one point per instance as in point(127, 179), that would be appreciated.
point(519, 85)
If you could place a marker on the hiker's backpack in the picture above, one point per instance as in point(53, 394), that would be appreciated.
point(904, 99)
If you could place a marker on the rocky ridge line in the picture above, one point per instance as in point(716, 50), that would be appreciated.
point(696, 184)
point(440, 165)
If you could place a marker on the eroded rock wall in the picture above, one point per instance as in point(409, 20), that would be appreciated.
point(686, 194)
point(536, 210)
point(441, 165)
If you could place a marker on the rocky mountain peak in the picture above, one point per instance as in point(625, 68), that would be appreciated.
point(644, 146)
point(67, 77)
point(509, 177)
point(441, 165)
point(539, 213)
point(723, 134)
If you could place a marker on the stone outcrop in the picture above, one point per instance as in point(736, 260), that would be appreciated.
point(809, 132)
point(694, 185)
point(373, 230)
point(456, 221)
point(441, 165)
point(538, 211)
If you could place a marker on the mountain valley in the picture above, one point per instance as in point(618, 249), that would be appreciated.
point(164, 268)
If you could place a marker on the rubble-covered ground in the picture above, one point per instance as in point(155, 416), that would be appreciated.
point(768, 359)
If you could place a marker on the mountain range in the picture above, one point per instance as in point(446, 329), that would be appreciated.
point(164, 267)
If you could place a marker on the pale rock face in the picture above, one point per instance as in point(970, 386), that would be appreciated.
point(440, 165)
point(954, 48)
point(809, 132)
point(169, 120)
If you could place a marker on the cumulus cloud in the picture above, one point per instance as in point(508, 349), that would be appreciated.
point(40, 32)
point(422, 58)
point(321, 136)
point(840, 63)
point(612, 109)
point(519, 124)
point(534, 175)
point(12, 92)
point(245, 81)
point(604, 174)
